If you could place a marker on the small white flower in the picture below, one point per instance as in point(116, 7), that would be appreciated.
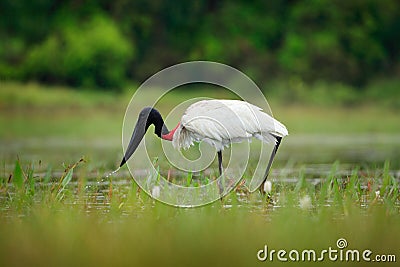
point(377, 194)
point(267, 187)
point(155, 192)
point(305, 202)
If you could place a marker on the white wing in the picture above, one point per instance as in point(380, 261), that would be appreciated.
point(221, 122)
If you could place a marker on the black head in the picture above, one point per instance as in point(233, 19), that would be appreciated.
point(147, 117)
point(152, 116)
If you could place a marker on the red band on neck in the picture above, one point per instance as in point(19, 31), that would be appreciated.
point(170, 135)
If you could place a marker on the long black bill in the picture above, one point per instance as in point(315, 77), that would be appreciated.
point(271, 159)
point(137, 136)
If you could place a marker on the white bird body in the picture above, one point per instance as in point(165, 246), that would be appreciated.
point(222, 122)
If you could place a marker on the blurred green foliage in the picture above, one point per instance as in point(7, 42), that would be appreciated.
point(94, 53)
point(104, 44)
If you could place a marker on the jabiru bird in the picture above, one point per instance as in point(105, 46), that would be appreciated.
point(216, 122)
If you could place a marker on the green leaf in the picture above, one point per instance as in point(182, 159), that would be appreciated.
point(67, 178)
point(31, 181)
point(189, 178)
point(65, 181)
point(18, 177)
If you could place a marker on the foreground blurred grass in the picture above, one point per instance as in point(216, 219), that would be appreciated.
point(163, 236)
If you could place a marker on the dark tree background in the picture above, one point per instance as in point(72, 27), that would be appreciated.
point(103, 44)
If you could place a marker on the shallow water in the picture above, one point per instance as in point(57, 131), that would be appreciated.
point(304, 149)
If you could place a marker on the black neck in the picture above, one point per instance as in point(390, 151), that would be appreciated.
point(155, 118)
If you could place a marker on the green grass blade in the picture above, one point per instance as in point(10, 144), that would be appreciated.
point(189, 178)
point(18, 176)
point(67, 178)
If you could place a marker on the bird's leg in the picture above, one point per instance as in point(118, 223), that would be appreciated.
point(220, 162)
point(271, 159)
point(220, 183)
